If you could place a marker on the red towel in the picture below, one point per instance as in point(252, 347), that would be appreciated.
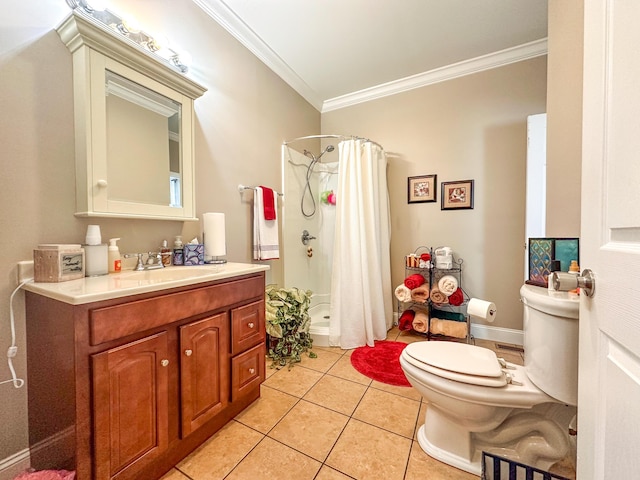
point(405, 321)
point(413, 281)
point(269, 203)
point(456, 298)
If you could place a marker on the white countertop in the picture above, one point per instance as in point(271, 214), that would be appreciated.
point(129, 282)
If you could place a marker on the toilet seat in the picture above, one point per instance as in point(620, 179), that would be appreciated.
point(459, 362)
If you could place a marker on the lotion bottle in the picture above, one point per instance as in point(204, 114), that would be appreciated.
point(165, 254)
point(115, 261)
point(178, 252)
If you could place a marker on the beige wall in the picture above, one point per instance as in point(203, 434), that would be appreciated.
point(469, 128)
point(564, 118)
point(240, 124)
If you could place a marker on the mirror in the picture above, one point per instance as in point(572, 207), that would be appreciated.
point(134, 127)
point(143, 141)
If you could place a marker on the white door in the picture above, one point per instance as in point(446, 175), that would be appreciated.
point(609, 377)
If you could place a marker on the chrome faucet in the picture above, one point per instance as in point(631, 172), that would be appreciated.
point(154, 261)
point(306, 237)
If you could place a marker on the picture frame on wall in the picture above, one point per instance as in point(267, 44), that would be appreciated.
point(457, 195)
point(422, 189)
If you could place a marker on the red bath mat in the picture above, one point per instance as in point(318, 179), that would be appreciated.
point(381, 362)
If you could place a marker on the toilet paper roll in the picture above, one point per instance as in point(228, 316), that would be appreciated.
point(213, 228)
point(482, 309)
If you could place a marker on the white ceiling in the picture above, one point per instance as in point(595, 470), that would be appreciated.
point(341, 52)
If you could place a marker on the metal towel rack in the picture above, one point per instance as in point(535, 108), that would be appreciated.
point(242, 188)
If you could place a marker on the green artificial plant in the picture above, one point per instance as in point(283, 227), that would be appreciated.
point(288, 322)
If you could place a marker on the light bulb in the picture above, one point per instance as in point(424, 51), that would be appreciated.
point(185, 58)
point(97, 5)
point(131, 24)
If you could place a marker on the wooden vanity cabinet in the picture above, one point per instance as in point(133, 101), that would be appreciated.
point(149, 377)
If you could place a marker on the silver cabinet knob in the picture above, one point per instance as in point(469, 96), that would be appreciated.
point(251, 324)
point(164, 362)
point(188, 352)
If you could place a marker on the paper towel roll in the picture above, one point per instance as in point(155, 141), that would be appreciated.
point(214, 235)
point(482, 309)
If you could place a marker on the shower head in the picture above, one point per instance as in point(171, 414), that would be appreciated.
point(307, 153)
point(329, 148)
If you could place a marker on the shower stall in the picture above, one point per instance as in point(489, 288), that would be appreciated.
point(335, 238)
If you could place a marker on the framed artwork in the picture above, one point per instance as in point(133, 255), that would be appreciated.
point(422, 189)
point(457, 195)
point(542, 251)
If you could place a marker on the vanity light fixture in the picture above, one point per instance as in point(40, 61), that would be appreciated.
point(157, 45)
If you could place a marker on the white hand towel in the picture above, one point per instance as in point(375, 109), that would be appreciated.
point(448, 284)
point(403, 294)
point(265, 232)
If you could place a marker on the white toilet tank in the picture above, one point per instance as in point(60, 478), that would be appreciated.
point(551, 341)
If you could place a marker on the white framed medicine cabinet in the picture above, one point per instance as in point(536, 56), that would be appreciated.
point(134, 122)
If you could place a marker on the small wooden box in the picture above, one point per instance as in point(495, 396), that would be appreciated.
point(58, 263)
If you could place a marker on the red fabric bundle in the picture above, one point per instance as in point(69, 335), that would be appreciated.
point(425, 256)
point(456, 298)
point(413, 281)
point(268, 203)
point(405, 321)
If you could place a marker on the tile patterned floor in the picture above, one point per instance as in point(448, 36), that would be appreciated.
point(323, 420)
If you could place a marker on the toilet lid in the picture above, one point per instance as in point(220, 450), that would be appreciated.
point(458, 361)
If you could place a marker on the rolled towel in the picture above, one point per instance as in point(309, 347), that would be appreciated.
point(445, 315)
point(405, 321)
point(456, 298)
point(413, 281)
point(437, 296)
point(449, 328)
point(420, 294)
point(420, 322)
point(403, 293)
point(448, 284)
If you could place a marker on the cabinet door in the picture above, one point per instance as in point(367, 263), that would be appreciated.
point(204, 370)
point(130, 406)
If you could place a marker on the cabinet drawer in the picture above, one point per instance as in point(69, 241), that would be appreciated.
point(118, 321)
point(247, 327)
point(247, 371)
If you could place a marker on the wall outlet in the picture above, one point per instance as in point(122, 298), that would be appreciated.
point(25, 270)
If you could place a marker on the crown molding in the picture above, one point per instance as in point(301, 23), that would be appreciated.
point(222, 14)
point(501, 58)
point(219, 11)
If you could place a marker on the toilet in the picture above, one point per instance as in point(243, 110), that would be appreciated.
point(478, 402)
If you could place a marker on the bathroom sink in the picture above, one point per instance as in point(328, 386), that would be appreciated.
point(170, 274)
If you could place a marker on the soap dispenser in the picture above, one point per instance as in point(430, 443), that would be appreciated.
point(115, 261)
point(178, 251)
point(165, 254)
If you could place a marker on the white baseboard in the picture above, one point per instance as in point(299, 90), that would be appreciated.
point(14, 465)
point(488, 332)
point(497, 334)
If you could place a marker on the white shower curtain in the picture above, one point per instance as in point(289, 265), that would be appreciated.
point(361, 309)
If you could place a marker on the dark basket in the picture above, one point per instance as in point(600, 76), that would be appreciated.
point(499, 468)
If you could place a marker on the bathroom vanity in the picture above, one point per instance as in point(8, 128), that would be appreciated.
point(129, 373)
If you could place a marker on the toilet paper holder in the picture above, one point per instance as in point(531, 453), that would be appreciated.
point(564, 282)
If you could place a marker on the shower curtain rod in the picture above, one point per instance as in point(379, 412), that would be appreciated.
point(341, 137)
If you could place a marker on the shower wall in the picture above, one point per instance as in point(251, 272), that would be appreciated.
point(300, 270)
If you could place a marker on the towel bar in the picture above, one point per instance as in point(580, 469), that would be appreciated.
point(242, 188)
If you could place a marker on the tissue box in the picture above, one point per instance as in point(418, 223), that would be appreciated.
point(194, 254)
